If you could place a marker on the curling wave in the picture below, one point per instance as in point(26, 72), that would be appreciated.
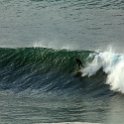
point(48, 70)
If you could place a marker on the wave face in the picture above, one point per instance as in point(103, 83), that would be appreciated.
point(46, 70)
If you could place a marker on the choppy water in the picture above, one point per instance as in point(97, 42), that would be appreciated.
point(77, 24)
point(38, 84)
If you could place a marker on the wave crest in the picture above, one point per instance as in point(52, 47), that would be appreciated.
point(112, 64)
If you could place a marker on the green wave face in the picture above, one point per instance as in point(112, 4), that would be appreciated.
point(42, 58)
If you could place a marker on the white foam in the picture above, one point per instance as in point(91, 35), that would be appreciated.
point(69, 123)
point(112, 64)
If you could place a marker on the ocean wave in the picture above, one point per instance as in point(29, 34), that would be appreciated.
point(49, 70)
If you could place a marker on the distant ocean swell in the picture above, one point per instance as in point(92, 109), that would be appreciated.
point(48, 70)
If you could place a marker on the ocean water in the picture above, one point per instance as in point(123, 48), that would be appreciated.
point(39, 42)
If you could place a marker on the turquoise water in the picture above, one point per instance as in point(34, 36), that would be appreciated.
point(38, 84)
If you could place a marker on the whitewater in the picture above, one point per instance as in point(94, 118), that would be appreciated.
point(112, 64)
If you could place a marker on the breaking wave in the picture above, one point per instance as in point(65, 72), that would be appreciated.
point(112, 65)
point(47, 70)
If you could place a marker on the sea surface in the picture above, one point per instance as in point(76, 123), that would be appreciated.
point(40, 81)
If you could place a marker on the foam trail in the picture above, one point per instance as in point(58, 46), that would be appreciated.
point(112, 64)
point(69, 123)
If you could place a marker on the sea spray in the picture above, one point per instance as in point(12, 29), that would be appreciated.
point(112, 64)
point(116, 77)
